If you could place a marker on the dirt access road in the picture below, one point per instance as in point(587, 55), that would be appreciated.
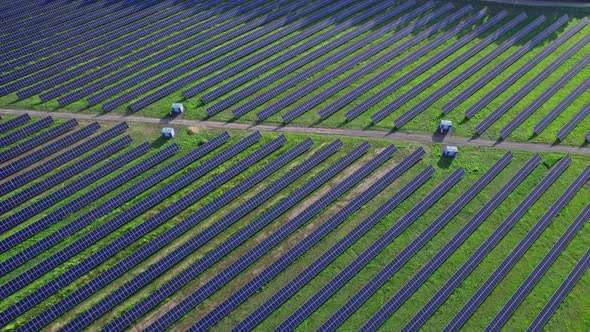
point(418, 138)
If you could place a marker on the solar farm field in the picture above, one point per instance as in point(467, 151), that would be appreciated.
point(501, 73)
point(244, 230)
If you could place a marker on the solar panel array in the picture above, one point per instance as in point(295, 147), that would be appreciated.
point(445, 252)
point(181, 279)
point(450, 285)
point(485, 289)
point(564, 289)
point(573, 122)
point(21, 133)
point(527, 285)
point(13, 123)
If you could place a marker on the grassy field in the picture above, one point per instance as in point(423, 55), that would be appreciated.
point(573, 313)
point(425, 122)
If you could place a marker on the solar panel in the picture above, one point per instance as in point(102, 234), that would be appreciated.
point(588, 137)
point(289, 289)
point(573, 122)
point(447, 289)
point(325, 93)
point(418, 279)
point(299, 194)
point(555, 300)
point(481, 62)
point(507, 264)
point(354, 61)
point(13, 123)
point(49, 166)
point(548, 93)
point(69, 189)
point(523, 70)
point(79, 223)
point(21, 133)
point(400, 260)
point(375, 98)
point(533, 278)
point(504, 64)
point(310, 240)
point(165, 238)
point(302, 61)
point(457, 61)
point(48, 150)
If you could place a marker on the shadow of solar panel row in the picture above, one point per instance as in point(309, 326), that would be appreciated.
point(573, 122)
point(212, 55)
point(406, 254)
point(529, 86)
point(419, 278)
point(144, 185)
point(83, 52)
point(383, 75)
point(226, 221)
point(522, 71)
point(106, 229)
point(48, 166)
point(456, 62)
point(429, 63)
point(289, 289)
point(265, 22)
point(480, 253)
point(548, 93)
point(324, 94)
point(146, 47)
point(563, 104)
point(279, 265)
point(551, 306)
point(278, 60)
point(323, 63)
point(143, 229)
point(239, 237)
point(170, 235)
point(13, 123)
point(508, 263)
point(34, 142)
point(268, 243)
point(62, 193)
point(234, 56)
point(48, 150)
point(350, 63)
point(487, 77)
point(271, 51)
point(21, 133)
point(71, 207)
point(533, 278)
point(481, 62)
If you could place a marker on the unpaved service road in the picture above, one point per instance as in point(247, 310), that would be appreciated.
point(419, 138)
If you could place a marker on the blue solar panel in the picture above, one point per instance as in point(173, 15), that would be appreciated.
point(48, 166)
point(481, 62)
point(445, 252)
point(324, 94)
point(48, 150)
point(555, 300)
point(13, 123)
point(155, 298)
point(457, 61)
point(548, 93)
point(162, 240)
point(522, 71)
point(79, 223)
point(573, 122)
point(65, 191)
point(310, 240)
point(364, 258)
point(486, 288)
point(533, 278)
point(21, 133)
point(504, 64)
point(437, 58)
point(447, 289)
point(331, 254)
